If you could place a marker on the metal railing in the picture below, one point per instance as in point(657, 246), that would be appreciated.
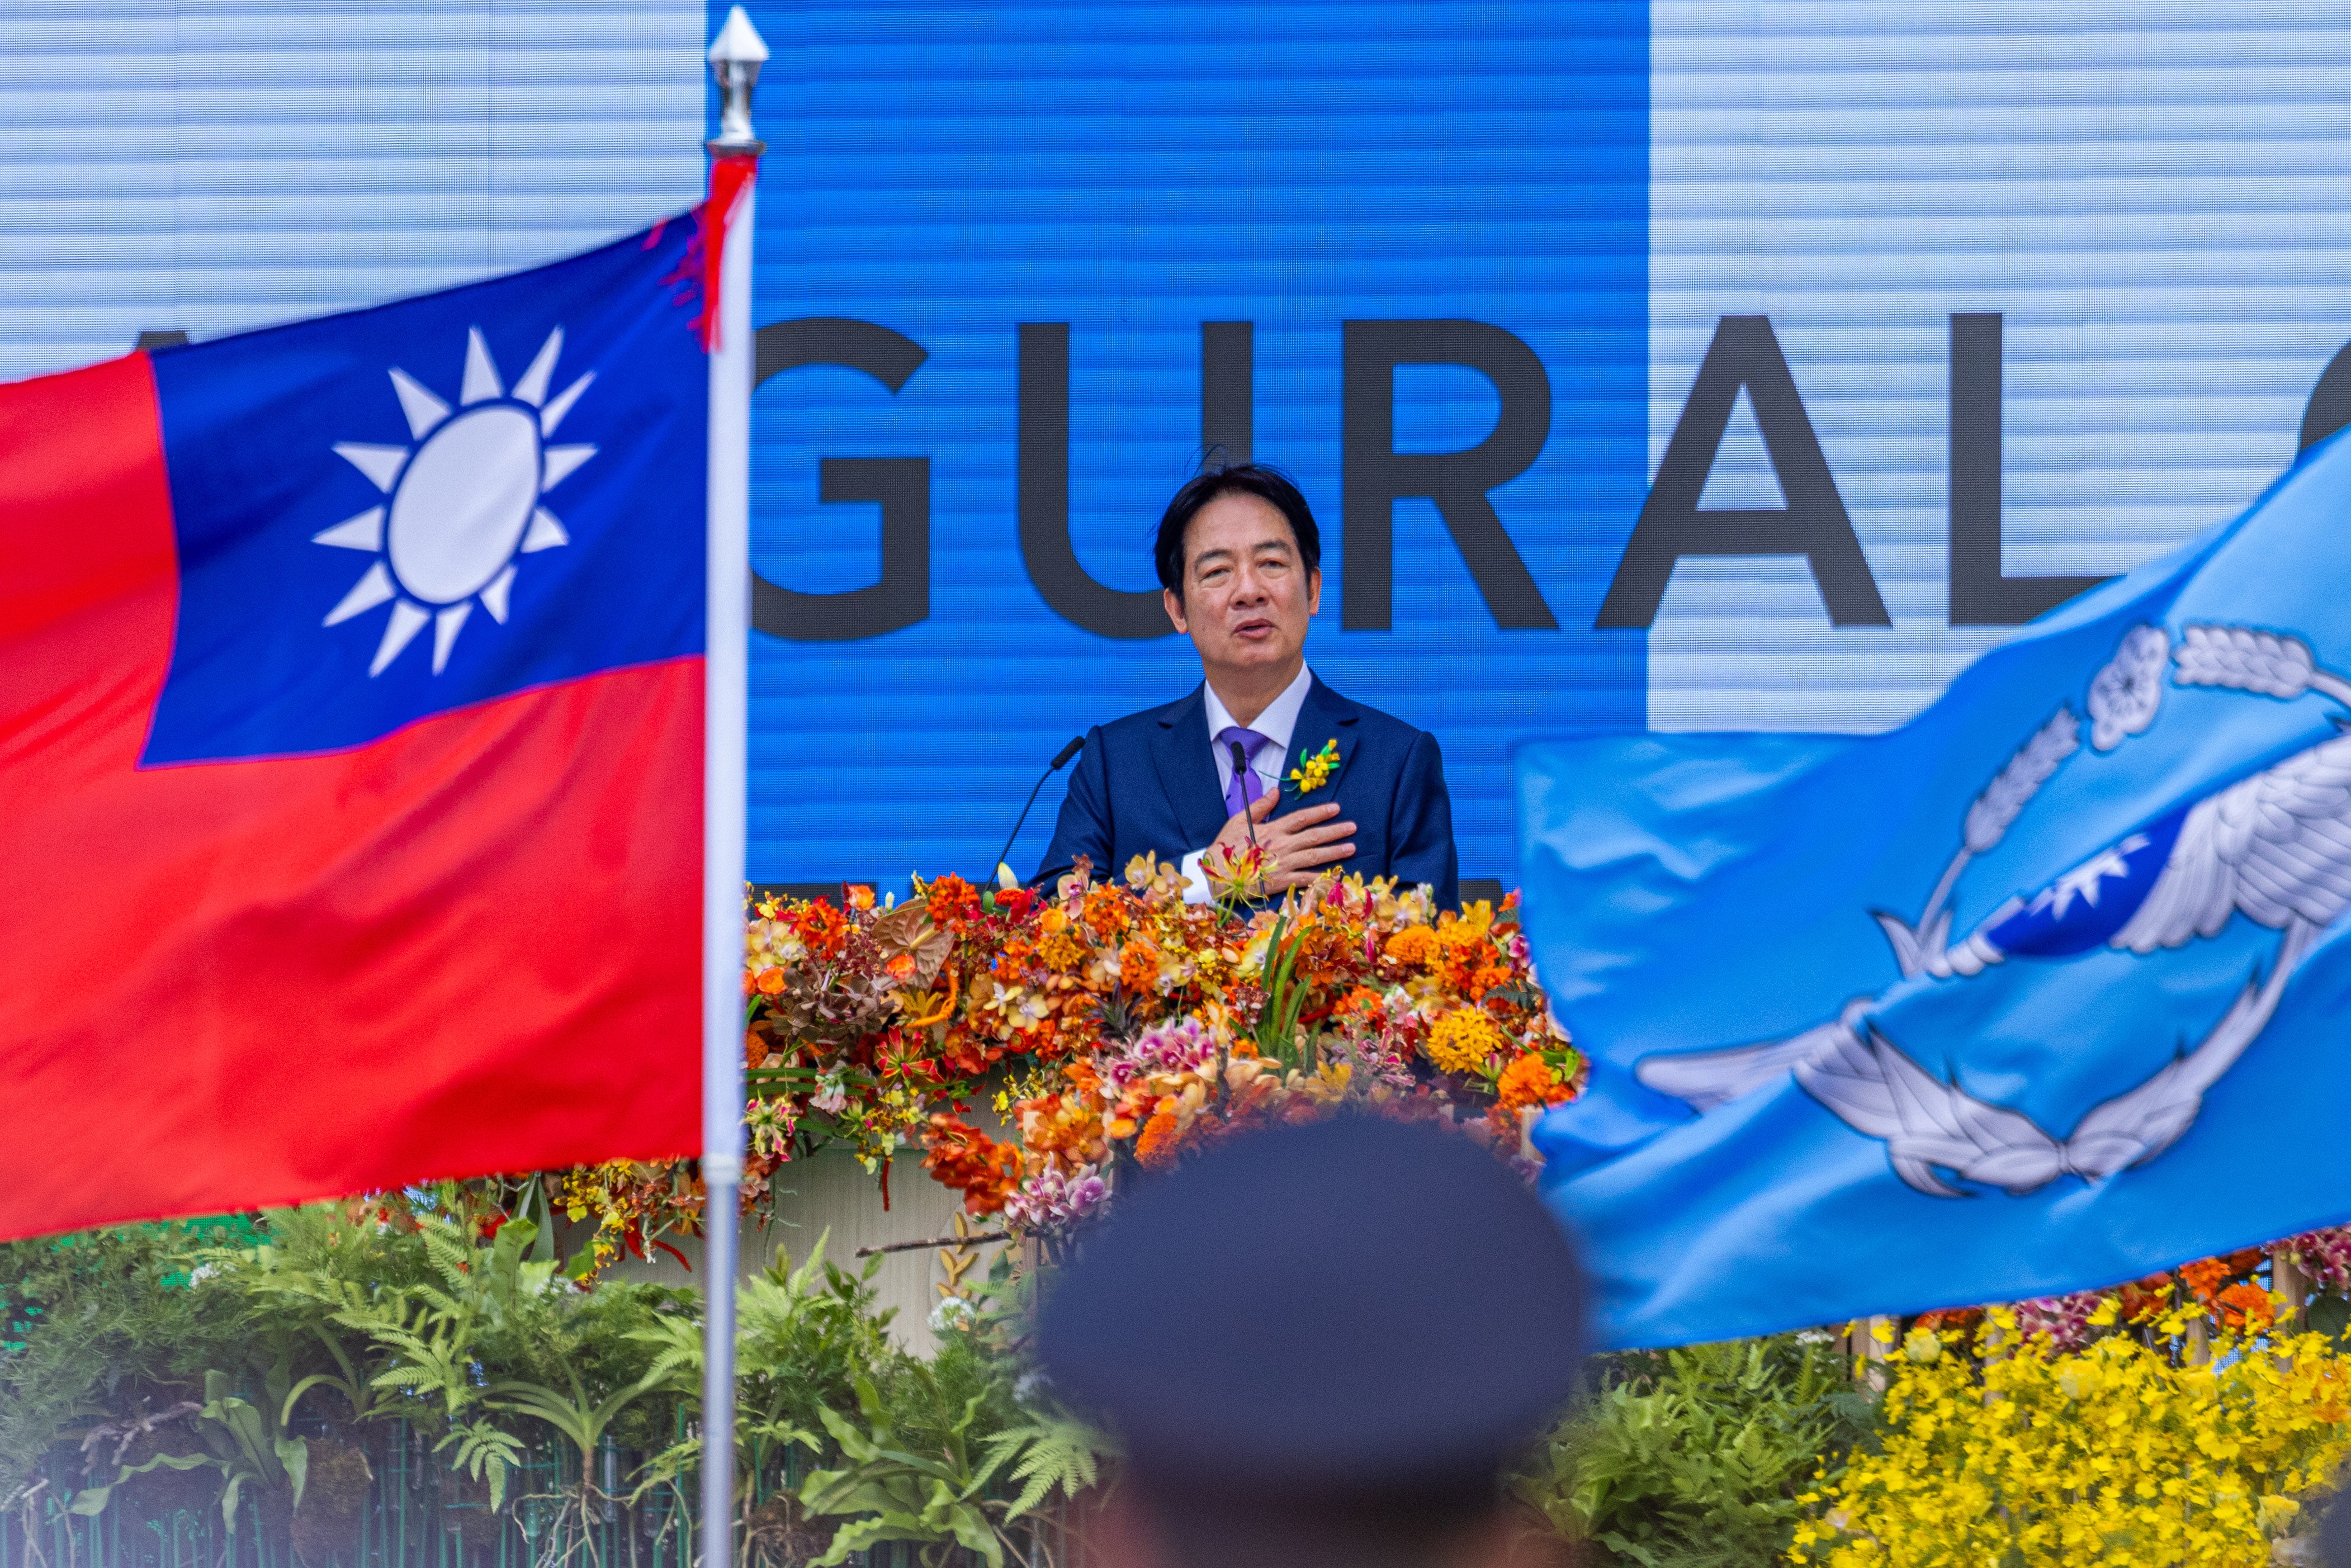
point(418, 1514)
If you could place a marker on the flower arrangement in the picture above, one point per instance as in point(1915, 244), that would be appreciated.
point(2026, 1453)
point(1113, 1027)
point(1184, 1023)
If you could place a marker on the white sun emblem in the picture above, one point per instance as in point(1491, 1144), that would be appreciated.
point(2083, 879)
point(461, 504)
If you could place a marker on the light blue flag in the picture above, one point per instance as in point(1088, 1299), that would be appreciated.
point(2043, 991)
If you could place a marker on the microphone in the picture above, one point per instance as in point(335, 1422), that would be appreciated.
point(1061, 758)
point(1240, 763)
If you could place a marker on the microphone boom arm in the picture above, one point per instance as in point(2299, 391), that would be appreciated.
point(1240, 762)
point(1060, 759)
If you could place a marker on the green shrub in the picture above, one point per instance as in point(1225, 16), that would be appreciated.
point(1693, 1459)
point(105, 1323)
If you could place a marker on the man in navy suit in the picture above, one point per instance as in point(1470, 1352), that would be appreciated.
point(1241, 568)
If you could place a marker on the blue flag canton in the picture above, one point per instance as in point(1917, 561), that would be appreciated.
point(395, 513)
point(2082, 909)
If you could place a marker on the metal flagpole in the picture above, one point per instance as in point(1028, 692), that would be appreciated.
point(734, 59)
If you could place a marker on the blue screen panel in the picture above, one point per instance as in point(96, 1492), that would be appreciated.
point(1347, 238)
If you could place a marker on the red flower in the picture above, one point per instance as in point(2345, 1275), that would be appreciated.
point(953, 900)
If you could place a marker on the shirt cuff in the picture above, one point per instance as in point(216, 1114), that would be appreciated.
point(1196, 885)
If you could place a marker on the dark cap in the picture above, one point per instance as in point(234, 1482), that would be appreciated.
point(1353, 1304)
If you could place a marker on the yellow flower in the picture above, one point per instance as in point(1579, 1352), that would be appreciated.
point(1061, 949)
point(1469, 928)
point(1312, 772)
point(1463, 1040)
point(2275, 1513)
point(2108, 1454)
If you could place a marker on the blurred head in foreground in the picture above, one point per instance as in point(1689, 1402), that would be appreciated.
point(1321, 1345)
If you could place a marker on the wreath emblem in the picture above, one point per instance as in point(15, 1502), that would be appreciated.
point(2274, 846)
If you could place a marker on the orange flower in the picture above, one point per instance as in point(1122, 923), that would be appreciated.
point(1413, 947)
point(1949, 1320)
point(1359, 1002)
point(820, 925)
point(2203, 1277)
point(1138, 967)
point(770, 981)
point(2143, 1301)
point(1061, 949)
point(945, 1008)
point(960, 1156)
point(1061, 1124)
point(1527, 1084)
point(1105, 911)
point(2246, 1305)
point(1155, 1150)
point(900, 966)
point(861, 895)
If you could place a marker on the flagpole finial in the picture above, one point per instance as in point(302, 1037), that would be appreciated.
point(736, 56)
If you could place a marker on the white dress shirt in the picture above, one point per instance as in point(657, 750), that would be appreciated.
point(1276, 723)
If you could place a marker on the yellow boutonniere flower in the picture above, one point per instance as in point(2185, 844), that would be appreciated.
point(1312, 772)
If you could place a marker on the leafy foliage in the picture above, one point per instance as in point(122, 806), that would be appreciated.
point(105, 1323)
point(903, 1488)
point(252, 1446)
point(940, 1434)
point(482, 1330)
point(803, 1337)
point(1696, 1457)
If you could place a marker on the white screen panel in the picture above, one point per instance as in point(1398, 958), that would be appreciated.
point(2156, 199)
point(211, 165)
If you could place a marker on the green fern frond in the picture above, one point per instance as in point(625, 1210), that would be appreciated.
point(1052, 1453)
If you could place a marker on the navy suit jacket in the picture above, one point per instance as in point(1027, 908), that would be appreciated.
point(1149, 783)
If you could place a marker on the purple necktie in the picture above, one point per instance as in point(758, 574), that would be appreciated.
point(1245, 787)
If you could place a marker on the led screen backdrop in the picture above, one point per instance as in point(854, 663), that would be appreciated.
point(1693, 364)
point(1028, 260)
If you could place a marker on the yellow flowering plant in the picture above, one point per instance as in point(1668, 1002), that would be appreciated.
point(2128, 1451)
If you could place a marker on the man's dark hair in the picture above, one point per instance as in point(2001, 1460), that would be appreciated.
point(1269, 485)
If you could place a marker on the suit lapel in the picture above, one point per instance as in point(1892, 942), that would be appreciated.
point(1325, 716)
point(1186, 772)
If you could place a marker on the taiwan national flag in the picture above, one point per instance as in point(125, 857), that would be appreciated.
point(351, 748)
